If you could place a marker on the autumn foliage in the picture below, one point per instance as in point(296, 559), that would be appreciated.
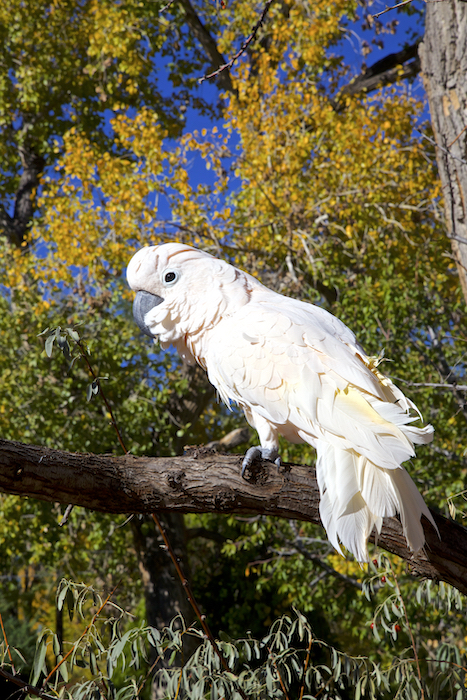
point(326, 196)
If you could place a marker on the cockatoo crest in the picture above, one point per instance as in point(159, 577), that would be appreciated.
point(296, 371)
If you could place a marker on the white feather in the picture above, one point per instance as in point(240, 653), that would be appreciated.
point(297, 371)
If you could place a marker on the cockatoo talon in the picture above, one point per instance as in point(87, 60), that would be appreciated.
point(254, 453)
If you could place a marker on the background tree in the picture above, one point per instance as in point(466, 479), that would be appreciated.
point(298, 170)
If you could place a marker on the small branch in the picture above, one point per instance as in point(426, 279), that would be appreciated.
point(329, 570)
point(388, 9)
point(192, 600)
point(244, 46)
point(166, 7)
point(457, 137)
point(88, 627)
point(441, 148)
point(396, 66)
point(412, 639)
point(435, 385)
point(175, 560)
point(85, 357)
point(25, 687)
point(7, 646)
point(284, 689)
point(305, 666)
point(207, 42)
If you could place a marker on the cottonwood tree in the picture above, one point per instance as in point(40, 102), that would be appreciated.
point(443, 54)
point(315, 180)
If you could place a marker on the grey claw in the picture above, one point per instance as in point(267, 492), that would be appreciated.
point(251, 454)
point(264, 453)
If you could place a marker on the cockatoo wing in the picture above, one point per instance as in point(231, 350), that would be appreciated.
point(309, 378)
point(300, 372)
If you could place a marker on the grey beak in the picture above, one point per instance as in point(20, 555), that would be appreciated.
point(144, 302)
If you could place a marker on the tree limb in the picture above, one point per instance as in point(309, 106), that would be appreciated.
point(202, 482)
point(401, 65)
point(209, 45)
point(15, 227)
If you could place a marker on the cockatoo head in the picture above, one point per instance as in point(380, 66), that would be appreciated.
point(181, 290)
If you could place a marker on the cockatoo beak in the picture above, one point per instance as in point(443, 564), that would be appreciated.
point(144, 302)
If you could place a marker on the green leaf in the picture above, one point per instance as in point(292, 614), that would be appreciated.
point(38, 666)
point(49, 345)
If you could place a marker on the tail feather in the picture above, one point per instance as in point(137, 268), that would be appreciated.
point(356, 494)
point(412, 507)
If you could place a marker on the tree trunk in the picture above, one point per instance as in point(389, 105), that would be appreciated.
point(443, 55)
point(15, 227)
point(203, 482)
point(164, 595)
point(163, 591)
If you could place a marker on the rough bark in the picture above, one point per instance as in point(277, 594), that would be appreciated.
point(443, 55)
point(201, 482)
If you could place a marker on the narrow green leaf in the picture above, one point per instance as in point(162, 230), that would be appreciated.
point(38, 666)
point(49, 345)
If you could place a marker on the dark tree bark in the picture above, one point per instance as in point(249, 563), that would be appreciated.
point(204, 482)
point(401, 65)
point(443, 55)
point(15, 227)
point(209, 45)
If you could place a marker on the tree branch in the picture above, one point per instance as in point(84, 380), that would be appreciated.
point(15, 227)
point(202, 482)
point(209, 45)
point(252, 36)
point(388, 70)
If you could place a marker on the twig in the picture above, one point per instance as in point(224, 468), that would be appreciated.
point(88, 626)
point(25, 687)
point(305, 666)
point(166, 7)
point(192, 600)
point(457, 137)
point(441, 148)
point(435, 385)
point(7, 646)
point(66, 514)
point(412, 639)
point(85, 357)
point(143, 682)
point(244, 46)
point(394, 7)
point(284, 689)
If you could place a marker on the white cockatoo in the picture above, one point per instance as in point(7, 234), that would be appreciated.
point(296, 371)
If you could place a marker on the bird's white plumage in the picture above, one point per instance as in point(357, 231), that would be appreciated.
point(296, 371)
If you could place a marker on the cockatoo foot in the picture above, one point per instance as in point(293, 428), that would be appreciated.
point(260, 453)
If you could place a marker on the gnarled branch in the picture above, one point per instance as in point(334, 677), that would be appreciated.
point(202, 482)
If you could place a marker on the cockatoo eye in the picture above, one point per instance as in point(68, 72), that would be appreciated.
point(170, 277)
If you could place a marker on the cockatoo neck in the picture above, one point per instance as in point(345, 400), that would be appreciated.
point(223, 292)
point(186, 314)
